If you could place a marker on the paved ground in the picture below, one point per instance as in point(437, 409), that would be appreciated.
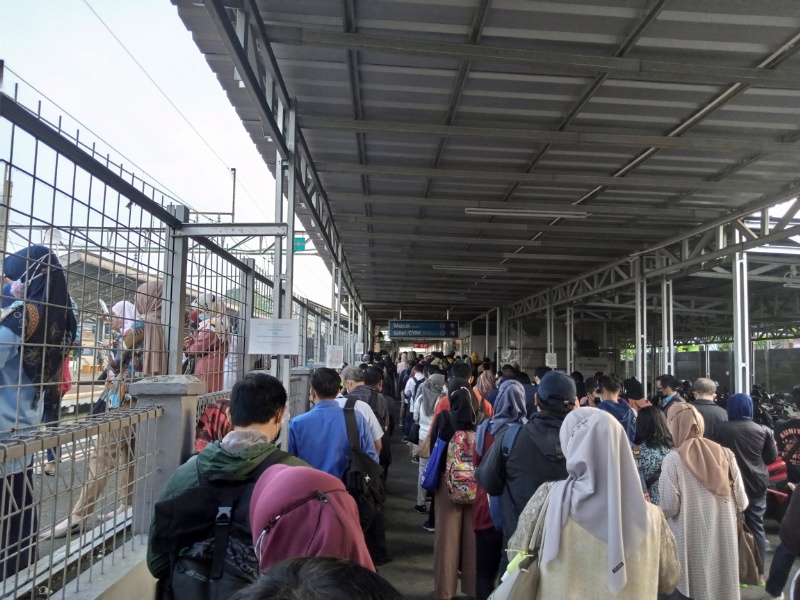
point(411, 571)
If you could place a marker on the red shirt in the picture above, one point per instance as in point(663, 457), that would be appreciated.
point(481, 519)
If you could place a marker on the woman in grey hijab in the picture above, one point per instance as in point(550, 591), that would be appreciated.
point(424, 405)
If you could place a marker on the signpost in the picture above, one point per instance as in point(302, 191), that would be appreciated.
point(423, 329)
point(299, 244)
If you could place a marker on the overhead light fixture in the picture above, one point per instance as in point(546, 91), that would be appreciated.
point(527, 212)
point(471, 268)
point(792, 279)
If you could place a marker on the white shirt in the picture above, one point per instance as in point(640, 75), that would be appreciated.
point(408, 392)
point(374, 425)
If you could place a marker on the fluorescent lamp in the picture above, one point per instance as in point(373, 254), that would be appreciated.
point(471, 268)
point(522, 212)
point(794, 286)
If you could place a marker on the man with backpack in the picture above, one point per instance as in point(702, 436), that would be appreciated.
point(200, 543)
point(354, 382)
point(524, 457)
point(410, 392)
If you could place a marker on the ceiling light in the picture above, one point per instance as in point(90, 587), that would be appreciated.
point(472, 268)
point(521, 212)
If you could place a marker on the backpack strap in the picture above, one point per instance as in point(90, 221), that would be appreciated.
point(352, 424)
point(508, 440)
point(227, 498)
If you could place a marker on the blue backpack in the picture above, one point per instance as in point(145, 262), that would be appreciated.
point(495, 506)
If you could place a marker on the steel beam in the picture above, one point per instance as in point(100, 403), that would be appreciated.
point(521, 133)
point(637, 69)
point(232, 230)
point(586, 179)
point(667, 330)
point(570, 326)
point(604, 211)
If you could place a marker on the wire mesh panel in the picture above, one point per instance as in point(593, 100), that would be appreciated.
point(83, 518)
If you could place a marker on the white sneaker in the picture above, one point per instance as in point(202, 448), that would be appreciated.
point(71, 525)
point(769, 596)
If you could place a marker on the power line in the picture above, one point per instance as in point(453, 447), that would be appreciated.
point(171, 103)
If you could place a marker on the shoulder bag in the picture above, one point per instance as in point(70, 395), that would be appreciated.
point(749, 558)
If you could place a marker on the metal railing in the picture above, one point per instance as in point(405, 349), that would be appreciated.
point(107, 233)
point(82, 518)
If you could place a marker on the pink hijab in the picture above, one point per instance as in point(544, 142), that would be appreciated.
point(303, 512)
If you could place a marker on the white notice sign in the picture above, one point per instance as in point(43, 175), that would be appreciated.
point(335, 358)
point(274, 336)
point(359, 350)
point(551, 360)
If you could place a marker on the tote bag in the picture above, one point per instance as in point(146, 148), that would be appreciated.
point(430, 476)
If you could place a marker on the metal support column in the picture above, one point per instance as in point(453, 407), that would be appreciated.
point(332, 337)
point(499, 325)
point(247, 282)
point(277, 258)
point(519, 340)
point(486, 348)
point(291, 199)
point(570, 338)
point(667, 332)
point(174, 294)
point(318, 337)
point(303, 333)
point(741, 323)
point(641, 325)
point(550, 315)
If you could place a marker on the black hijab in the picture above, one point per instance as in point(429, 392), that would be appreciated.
point(462, 414)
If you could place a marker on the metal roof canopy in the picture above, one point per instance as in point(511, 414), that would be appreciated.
point(658, 126)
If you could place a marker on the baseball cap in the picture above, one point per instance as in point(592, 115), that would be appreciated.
point(556, 388)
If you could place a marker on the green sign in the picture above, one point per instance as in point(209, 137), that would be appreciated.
point(299, 244)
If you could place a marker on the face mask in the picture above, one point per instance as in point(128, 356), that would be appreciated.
point(277, 438)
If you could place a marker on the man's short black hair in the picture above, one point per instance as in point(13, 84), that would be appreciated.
point(669, 381)
point(461, 369)
point(540, 371)
point(373, 376)
point(430, 369)
point(419, 367)
point(591, 385)
point(318, 578)
point(363, 366)
point(610, 383)
point(326, 383)
point(256, 399)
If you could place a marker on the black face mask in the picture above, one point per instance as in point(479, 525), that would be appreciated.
point(277, 438)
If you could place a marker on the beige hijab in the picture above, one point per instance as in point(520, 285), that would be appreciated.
point(705, 459)
point(148, 305)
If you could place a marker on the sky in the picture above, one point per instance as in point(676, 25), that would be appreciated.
point(64, 51)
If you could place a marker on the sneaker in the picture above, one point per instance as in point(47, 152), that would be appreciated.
point(415, 459)
point(769, 596)
point(72, 526)
point(421, 509)
point(49, 468)
point(405, 439)
point(428, 527)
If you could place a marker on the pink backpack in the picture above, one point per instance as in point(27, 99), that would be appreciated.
point(459, 470)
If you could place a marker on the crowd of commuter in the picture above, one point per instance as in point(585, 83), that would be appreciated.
point(550, 486)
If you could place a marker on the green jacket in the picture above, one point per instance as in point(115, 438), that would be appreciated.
point(212, 460)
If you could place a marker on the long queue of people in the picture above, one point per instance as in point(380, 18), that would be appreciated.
point(646, 497)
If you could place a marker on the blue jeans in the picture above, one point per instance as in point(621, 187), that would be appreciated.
point(779, 570)
point(754, 519)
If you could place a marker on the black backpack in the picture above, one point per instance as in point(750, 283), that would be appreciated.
point(362, 477)
point(206, 530)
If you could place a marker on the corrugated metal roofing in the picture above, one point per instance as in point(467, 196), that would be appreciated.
point(609, 68)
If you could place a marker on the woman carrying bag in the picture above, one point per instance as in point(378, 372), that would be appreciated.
point(454, 539)
point(596, 523)
point(702, 492)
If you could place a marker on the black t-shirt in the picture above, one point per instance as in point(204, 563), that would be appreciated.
point(787, 437)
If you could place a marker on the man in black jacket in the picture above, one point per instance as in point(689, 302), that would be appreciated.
point(705, 390)
point(667, 388)
point(536, 455)
point(754, 448)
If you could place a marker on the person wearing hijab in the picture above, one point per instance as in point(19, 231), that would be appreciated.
point(754, 447)
point(300, 511)
point(37, 328)
point(111, 450)
point(485, 383)
point(696, 497)
point(602, 539)
point(429, 394)
point(210, 343)
point(149, 298)
point(454, 539)
point(509, 409)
